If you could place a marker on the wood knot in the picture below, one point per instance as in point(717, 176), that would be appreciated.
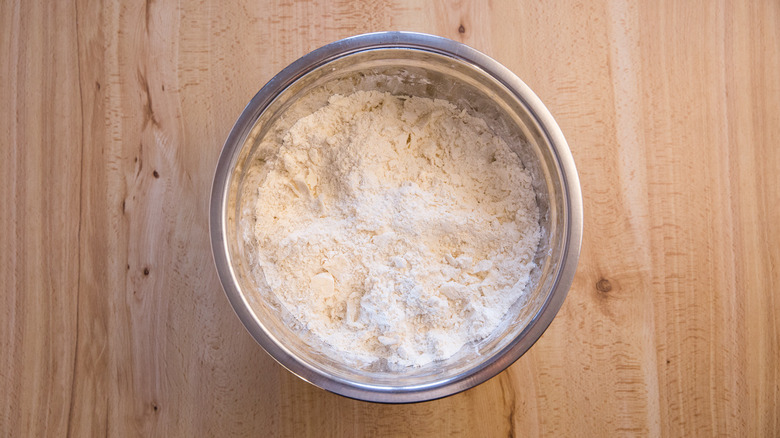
point(146, 271)
point(156, 174)
point(603, 285)
point(155, 407)
point(461, 29)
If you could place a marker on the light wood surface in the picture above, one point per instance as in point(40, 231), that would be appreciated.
point(113, 322)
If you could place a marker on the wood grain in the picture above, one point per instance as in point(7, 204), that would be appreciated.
point(112, 320)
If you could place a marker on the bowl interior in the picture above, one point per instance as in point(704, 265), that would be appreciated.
point(400, 71)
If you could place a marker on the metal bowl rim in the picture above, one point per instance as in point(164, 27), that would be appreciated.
point(572, 215)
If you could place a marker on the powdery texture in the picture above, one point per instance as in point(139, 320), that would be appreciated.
point(395, 228)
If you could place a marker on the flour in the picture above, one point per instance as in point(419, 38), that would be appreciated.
point(396, 228)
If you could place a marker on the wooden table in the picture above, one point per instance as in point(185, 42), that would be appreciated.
point(112, 320)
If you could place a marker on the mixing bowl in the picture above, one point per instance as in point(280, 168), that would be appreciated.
point(401, 63)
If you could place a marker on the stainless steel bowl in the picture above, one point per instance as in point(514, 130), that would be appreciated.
point(409, 64)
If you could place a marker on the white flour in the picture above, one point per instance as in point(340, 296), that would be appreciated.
point(394, 227)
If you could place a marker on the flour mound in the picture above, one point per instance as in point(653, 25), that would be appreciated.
point(394, 227)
